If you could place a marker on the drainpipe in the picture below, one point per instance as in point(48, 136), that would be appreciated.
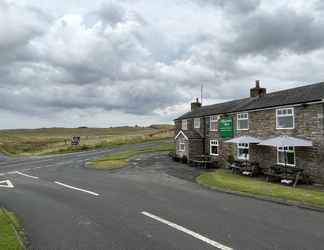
point(204, 135)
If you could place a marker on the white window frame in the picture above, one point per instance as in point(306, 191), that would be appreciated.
point(281, 149)
point(196, 122)
point(285, 115)
point(240, 118)
point(182, 144)
point(213, 118)
point(184, 124)
point(213, 143)
point(243, 146)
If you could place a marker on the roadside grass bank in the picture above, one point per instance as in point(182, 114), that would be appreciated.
point(226, 181)
point(119, 160)
point(11, 234)
point(46, 141)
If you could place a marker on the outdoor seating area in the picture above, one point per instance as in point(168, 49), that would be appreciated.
point(284, 173)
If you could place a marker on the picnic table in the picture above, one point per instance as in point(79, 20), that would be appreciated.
point(249, 168)
point(201, 161)
point(288, 174)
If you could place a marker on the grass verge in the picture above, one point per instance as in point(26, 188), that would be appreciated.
point(224, 180)
point(119, 160)
point(10, 231)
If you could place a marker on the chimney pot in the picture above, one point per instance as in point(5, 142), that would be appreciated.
point(257, 91)
point(195, 105)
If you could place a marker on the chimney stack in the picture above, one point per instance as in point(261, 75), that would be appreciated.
point(257, 91)
point(195, 105)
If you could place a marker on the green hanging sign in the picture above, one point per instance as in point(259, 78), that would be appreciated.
point(226, 127)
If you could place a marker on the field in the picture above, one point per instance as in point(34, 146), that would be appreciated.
point(58, 140)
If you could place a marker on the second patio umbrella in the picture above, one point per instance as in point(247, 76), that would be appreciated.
point(284, 142)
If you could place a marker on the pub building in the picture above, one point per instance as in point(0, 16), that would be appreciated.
point(295, 113)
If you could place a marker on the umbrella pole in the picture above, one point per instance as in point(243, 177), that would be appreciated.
point(285, 151)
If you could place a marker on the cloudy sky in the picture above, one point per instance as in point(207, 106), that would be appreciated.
point(109, 63)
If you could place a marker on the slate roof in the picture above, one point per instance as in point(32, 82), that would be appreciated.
point(299, 95)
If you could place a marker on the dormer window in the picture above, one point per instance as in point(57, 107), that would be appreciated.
point(184, 125)
point(197, 123)
point(242, 121)
point(285, 118)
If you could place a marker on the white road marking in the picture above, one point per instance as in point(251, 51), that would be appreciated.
point(26, 175)
point(187, 231)
point(8, 184)
point(79, 189)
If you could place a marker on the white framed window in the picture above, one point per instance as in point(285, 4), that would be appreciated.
point(286, 156)
point(214, 147)
point(285, 118)
point(242, 121)
point(243, 152)
point(197, 123)
point(184, 125)
point(213, 122)
point(182, 146)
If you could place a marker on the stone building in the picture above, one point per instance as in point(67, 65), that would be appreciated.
point(296, 112)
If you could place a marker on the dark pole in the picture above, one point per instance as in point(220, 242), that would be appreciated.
point(285, 152)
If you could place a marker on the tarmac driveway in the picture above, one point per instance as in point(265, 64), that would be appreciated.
point(152, 204)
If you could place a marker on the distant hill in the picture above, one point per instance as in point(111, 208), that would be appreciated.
point(162, 126)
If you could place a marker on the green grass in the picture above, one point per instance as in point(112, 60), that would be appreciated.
point(222, 179)
point(119, 160)
point(25, 142)
point(8, 238)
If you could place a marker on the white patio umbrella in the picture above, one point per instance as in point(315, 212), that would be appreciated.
point(244, 139)
point(286, 141)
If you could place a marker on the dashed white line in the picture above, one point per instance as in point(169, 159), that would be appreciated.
point(27, 175)
point(187, 231)
point(79, 189)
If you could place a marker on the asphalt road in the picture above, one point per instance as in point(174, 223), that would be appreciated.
point(152, 204)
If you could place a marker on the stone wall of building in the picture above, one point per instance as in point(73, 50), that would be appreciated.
point(309, 124)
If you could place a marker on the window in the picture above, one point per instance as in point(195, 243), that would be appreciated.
point(197, 123)
point(285, 118)
point(286, 155)
point(243, 151)
point(184, 124)
point(213, 147)
point(242, 121)
point(182, 147)
point(213, 122)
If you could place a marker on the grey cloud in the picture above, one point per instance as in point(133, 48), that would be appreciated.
point(270, 33)
point(108, 13)
point(115, 58)
point(233, 6)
